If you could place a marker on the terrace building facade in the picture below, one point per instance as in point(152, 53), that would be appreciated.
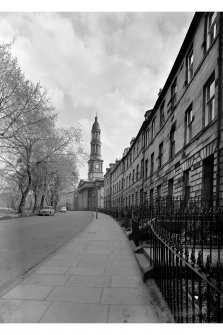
point(178, 151)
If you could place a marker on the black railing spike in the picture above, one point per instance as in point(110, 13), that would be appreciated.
point(202, 210)
point(200, 260)
point(192, 257)
point(186, 252)
point(218, 274)
point(181, 250)
point(208, 266)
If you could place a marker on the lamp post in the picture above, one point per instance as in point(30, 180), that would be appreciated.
point(96, 200)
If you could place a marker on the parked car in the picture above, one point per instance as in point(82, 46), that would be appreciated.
point(63, 210)
point(47, 210)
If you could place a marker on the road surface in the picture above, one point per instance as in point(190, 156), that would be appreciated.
point(25, 242)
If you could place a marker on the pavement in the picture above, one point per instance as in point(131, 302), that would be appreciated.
point(95, 278)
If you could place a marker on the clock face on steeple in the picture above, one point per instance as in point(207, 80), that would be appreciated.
point(96, 166)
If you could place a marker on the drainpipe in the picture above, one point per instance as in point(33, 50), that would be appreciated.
point(143, 177)
point(219, 109)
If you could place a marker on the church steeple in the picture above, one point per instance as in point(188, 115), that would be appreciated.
point(95, 164)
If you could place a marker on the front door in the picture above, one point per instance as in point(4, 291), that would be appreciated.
point(186, 187)
point(207, 184)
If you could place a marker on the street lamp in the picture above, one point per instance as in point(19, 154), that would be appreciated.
point(96, 202)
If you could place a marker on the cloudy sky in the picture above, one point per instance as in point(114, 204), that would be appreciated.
point(110, 63)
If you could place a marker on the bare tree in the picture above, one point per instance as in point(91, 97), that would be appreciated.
point(39, 154)
point(32, 148)
point(19, 151)
point(17, 95)
point(64, 176)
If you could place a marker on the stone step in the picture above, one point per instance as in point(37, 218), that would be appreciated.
point(141, 247)
point(132, 245)
point(145, 267)
point(146, 252)
point(128, 234)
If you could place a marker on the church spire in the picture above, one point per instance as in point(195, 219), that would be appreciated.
point(96, 126)
point(95, 163)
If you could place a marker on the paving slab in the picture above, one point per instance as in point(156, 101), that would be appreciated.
point(63, 261)
point(98, 247)
point(121, 247)
point(86, 270)
point(65, 312)
point(90, 281)
point(31, 292)
point(124, 263)
point(121, 244)
point(8, 307)
point(98, 252)
point(132, 314)
point(110, 235)
point(121, 256)
point(121, 270)
point(72, 252)
point(126, 281)
point(95, 256)
point(66, 256)
point(22, 311)
point(94, 262)
point(101, 242)
point(51, 280)
point(75, 247)
point(122, 251)
point(52, 269)
point(123, 296)
point(79, 241)
point(76, 294)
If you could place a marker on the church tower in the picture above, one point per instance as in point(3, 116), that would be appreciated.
point(95, 163)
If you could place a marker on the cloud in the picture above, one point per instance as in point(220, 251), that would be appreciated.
point(112, 63)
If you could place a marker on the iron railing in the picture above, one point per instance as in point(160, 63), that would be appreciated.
point(192, 289)
point(184, 240)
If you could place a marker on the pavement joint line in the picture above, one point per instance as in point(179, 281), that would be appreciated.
point(68, 270)
point(50, 304)
point(75, 302)
point(68, 278)
point(50, 293)
point(109, 308)
point(101, 294)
